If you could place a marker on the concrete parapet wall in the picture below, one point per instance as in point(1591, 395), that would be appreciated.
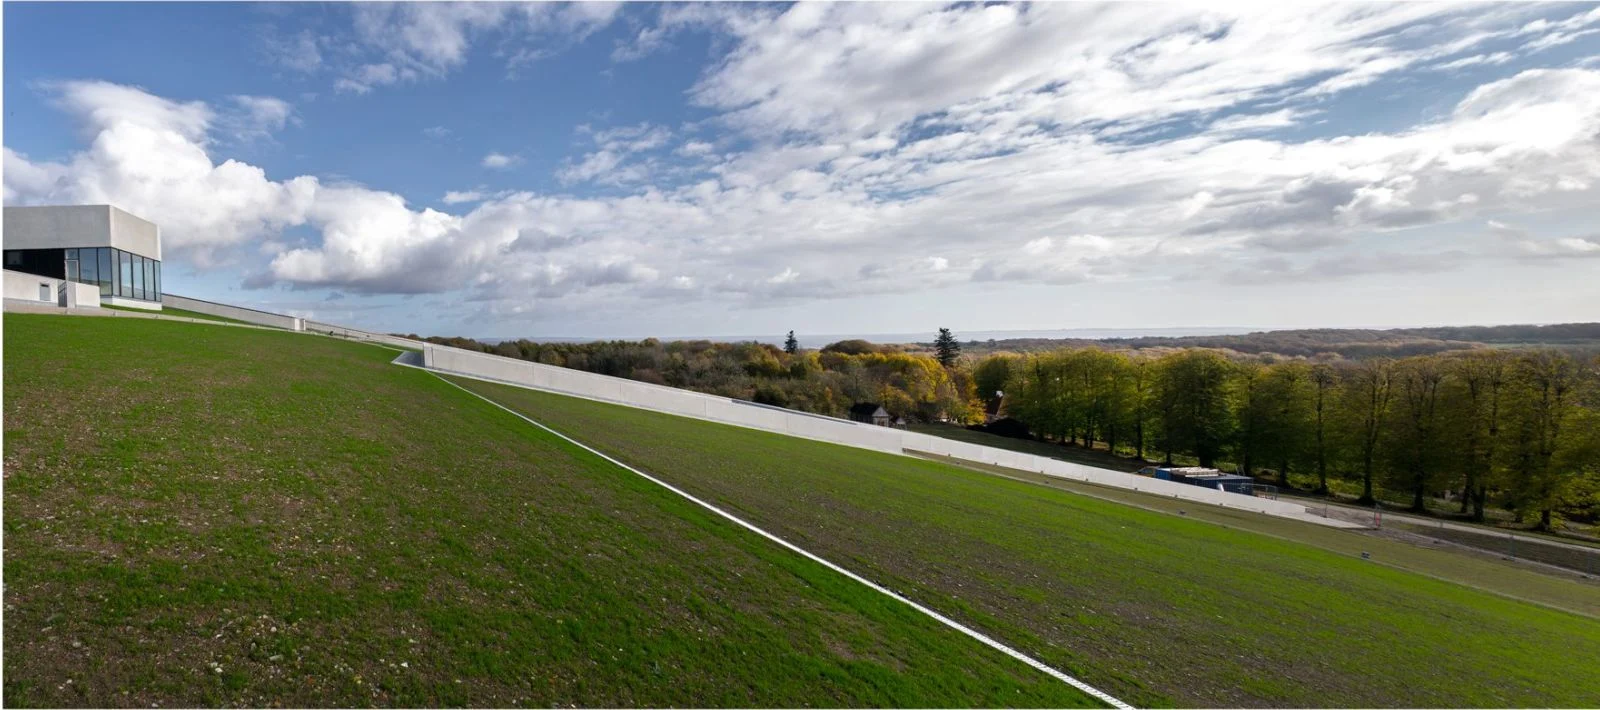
point(77, 295)
point(340, 331)
point(27, 287)
point(248, 315)
point(838, 431)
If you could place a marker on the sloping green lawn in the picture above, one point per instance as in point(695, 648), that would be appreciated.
point(1152, 607)
point(204, 515)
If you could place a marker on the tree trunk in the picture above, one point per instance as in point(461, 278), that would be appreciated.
point(1417, 504)
point(1366, 481)
point(1544, 520)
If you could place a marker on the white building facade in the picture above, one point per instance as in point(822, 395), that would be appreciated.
point(98, 245)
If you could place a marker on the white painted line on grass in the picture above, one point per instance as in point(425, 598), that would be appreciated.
point(947, 621)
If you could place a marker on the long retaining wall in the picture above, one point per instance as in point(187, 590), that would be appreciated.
point(248, 315)
point(838, 431)
point(339, 331)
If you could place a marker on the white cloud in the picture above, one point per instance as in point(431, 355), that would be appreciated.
point(299, 53)
point(500, 161)
point(364, 78)
point(148, 155)
point(850, 69)
point(845, 186)
point(435, 39)
point(1244, 123)
point(1477, 60)
point(615, 147)
point(260, 116)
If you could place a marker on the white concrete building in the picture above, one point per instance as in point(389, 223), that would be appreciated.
point(99, 245)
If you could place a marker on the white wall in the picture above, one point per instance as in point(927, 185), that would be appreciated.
point(340, 331)
point(25, 287)
point(77, 295)
point(57, 226)
point(135, 234)
point(838, 431)
point(248, 315)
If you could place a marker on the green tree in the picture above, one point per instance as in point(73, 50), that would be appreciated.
point(1541, 404)
point(790, 344)
point(1286, 393)
point(1416, 440)
point(1365, 406)
point(1253, 412)
point(990, 376)
point(1482, 377)
point(947, 347)
point(1324, 383)
point(1192, 390)
point(1140, 383)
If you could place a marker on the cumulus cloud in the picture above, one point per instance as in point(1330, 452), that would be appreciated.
point(148, 154)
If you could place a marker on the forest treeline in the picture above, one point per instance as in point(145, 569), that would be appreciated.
point(1517, 429)
point(1578, 339)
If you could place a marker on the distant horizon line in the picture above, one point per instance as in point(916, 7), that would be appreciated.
point(1018, 333)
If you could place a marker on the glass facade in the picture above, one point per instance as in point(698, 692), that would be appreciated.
point(116, 272)
point(125, 284)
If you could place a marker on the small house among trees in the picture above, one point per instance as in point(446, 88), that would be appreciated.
point(871, 413)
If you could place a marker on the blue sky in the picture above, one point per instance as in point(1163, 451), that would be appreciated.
point(610, 170)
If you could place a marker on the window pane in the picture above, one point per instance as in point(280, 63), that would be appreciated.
point(158, 280)
point(88, 268)
point(125, 274)
point(108, 275)
point(150, 279)
point(138, 277)
point(72, 253)
point(72, 270)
